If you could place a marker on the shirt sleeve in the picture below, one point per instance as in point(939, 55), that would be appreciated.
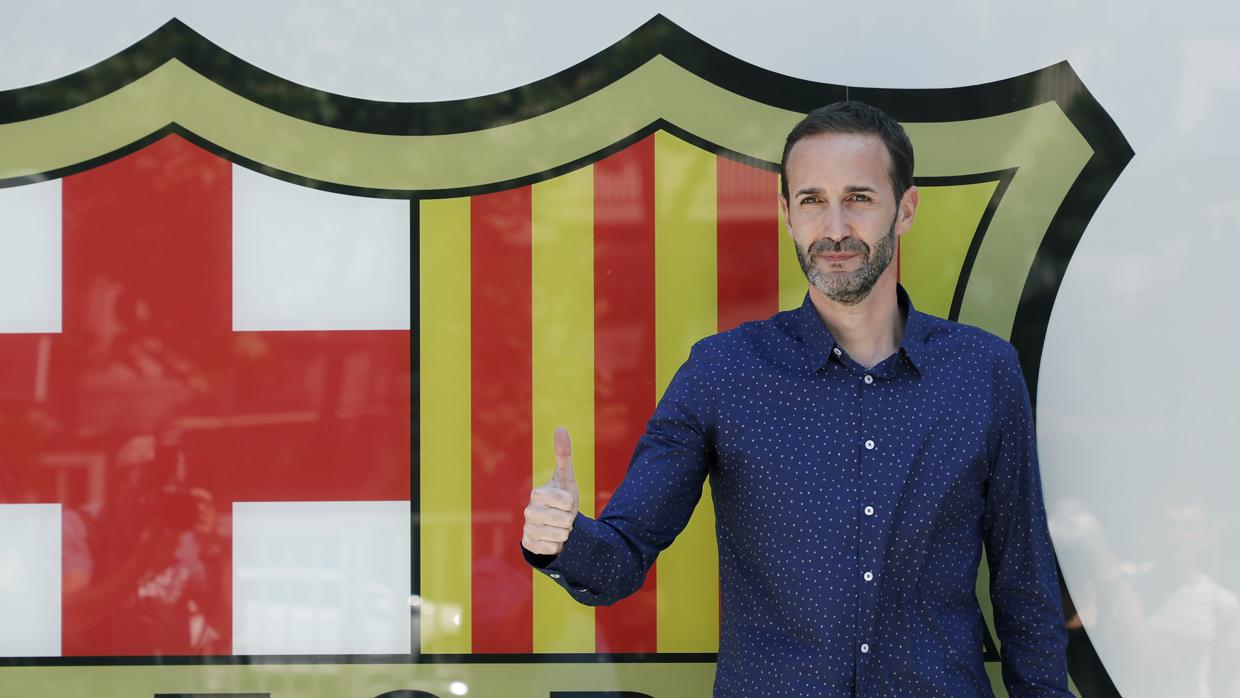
point(1024, 583)
point(605, 560)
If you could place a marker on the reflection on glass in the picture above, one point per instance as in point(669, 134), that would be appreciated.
point(150, 420)
point(1181, 627)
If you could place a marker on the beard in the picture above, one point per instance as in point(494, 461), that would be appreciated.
point(852, 287)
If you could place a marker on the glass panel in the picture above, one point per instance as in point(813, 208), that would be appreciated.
point(226, 290)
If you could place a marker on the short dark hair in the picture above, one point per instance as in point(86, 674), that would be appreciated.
point(856, 117)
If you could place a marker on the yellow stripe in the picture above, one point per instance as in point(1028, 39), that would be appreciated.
point(932, 251)
point(443, 338)
point(792, 283)
point(562, 235)
point(686, 310)
point(329, 679)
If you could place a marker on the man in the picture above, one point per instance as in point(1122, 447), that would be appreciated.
point(860, 453)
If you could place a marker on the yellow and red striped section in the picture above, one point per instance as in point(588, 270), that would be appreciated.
point(573, 301)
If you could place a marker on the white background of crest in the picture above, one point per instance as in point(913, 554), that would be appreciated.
point(1138, 400)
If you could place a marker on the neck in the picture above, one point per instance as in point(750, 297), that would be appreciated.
point(869, 331)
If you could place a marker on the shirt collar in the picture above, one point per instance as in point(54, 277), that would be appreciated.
point(819, 344)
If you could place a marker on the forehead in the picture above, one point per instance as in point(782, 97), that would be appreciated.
point(838, 159)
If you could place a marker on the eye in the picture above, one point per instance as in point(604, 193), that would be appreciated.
point(811, 199)
point(858, 196)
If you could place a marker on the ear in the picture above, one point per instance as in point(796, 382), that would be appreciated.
point(907, 210)
point(783, 209)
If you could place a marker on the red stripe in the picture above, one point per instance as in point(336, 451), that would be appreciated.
point(150, 388)
point(624, 357)
point(502, 394)
point(147, 310)
point(23, 479)
point(748, 240)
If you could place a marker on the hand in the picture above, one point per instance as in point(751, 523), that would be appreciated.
point(553, 507)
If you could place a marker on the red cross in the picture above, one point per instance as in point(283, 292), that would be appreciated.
point(148, 416)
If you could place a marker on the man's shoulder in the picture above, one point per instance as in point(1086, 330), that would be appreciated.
point(749, 338)
point(953, 339)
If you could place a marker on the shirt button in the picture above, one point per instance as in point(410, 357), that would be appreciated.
point(836, 351)
point(553, 575)
point(865, 649)
point(868, 576)
point(869, 379)
point(869, 444)
point(869, 511)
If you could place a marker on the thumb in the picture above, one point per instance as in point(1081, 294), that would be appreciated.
point(564, 477)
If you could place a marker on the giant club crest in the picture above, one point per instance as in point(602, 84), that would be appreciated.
point(565, 243)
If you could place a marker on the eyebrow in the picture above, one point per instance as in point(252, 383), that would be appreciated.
point(850, 189)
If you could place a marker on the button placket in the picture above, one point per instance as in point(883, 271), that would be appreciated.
point(870, 559)
point(867, 549)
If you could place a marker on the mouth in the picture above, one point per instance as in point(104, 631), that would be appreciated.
point(836, 257)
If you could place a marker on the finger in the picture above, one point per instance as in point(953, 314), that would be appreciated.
point(546, 516)
point(547, 533)
point(541, 547)
point(553, 497)
point(564, 476)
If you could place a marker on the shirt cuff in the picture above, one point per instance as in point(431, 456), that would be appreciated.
point(576, 567)
point(536, 560)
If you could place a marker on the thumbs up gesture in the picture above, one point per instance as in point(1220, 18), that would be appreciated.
point(553, 507)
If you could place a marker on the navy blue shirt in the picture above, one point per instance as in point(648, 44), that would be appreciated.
point(851, 507)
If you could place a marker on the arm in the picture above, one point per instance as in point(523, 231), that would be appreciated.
point(1024, 584)
point(605, 560)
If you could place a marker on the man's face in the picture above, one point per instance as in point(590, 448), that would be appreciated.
point(843, 214)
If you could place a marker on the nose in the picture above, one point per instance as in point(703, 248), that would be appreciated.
point(834, 224)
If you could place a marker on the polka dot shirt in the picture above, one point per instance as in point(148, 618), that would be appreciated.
point(851, 509)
